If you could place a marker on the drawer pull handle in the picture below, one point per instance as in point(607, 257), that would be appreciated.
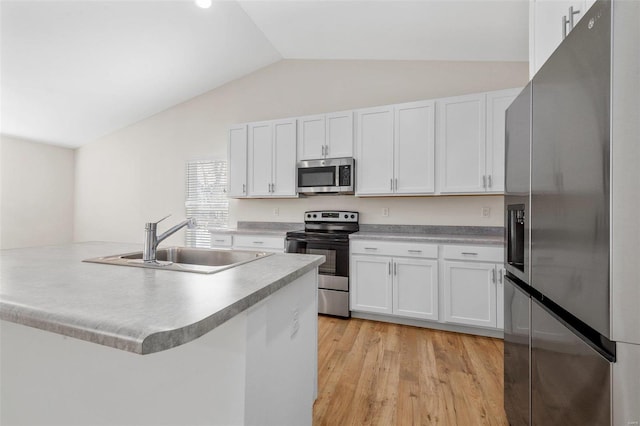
point(258, 242)
point(415, 251)
point(371, 248)
point(219, 241)
point(469, 253)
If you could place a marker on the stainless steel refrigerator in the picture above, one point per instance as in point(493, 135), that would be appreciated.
point(559, 341)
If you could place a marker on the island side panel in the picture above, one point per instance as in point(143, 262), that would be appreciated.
point(49, 379)
point(282, 348)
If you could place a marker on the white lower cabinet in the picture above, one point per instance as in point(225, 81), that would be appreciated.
point(473, 293)
point(371, 284)
point(415, 288)
point(399, 286)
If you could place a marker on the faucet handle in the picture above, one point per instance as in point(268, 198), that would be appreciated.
point(162, 219)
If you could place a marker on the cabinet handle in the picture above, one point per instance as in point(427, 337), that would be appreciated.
point(395, 268)
point(468, 253)
point(414, 251)
point(273, 187)
point(396, 181)
point(326, 150)
point(371, 248)
point(244, 186)
point(565, 22)
point(389, 268)
point(258, 242)
point(571, 13)
point(501, 276)
point(323, 150)
point(493, 275)
point(391, 184)
point(490, 181)
point(484, 181)
point(219, 241)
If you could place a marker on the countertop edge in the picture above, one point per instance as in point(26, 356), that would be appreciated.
point(434, 239)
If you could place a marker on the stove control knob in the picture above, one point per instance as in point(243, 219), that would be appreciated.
point(308, 215)
point(353, 216)
point(314, 216)
point(346, 216)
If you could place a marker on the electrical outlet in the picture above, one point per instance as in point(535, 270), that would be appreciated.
point(276, 211)
point(485, 212)
point(385, 211)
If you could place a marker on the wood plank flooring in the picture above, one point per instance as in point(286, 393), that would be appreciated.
point(374, 373)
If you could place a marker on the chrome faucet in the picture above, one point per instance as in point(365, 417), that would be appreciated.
point(152, 239)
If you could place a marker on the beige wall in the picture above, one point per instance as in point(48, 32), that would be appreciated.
point(36, 193)
point(137, 174)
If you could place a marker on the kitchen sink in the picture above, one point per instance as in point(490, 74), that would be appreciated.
point(185, 259)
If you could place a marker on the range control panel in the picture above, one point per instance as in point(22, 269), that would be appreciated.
point(331, 216)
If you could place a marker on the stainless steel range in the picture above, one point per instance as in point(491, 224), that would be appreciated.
point(327, 233)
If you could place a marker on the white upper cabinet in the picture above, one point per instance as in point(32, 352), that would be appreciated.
point(461, 140)
point(325, 136)
point(395, 149)
point(470, 142)
point(374, 151)
point(237, 152)
point(549, 22)
point(272, 159)
point(414, 151)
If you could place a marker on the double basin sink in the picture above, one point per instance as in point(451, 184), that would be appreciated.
point(185, 259)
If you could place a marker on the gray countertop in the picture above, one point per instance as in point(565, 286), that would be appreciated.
point(134, 309)
point(432, 234)
point(429, 238)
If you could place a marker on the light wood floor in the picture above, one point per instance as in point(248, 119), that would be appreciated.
point(374, 373)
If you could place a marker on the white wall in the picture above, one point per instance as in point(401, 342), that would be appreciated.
point(137, 174)
point(36, 193)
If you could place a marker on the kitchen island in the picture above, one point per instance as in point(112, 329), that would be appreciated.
point(92, 344)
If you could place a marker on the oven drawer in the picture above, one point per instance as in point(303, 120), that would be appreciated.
point(479, 253)
point(393, 248)
point(259, 242)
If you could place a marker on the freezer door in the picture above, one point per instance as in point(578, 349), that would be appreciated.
point(516, 354)
point(570, 382)
point(570, 176)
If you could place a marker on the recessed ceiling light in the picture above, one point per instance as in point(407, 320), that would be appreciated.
point(205, 4)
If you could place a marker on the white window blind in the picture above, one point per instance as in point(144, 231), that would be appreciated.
point(206, 199)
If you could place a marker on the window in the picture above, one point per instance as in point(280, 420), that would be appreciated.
point(206, 200)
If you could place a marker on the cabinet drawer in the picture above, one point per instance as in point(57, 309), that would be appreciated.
point(393, 248)
point(221, 240)
point(479, 253)
point(259, 242)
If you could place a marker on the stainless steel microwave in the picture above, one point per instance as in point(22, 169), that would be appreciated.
point(328, 176)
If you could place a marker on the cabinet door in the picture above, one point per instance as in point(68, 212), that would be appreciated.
point(461, 144)
point(284, 159)
point(548, 26)
point(500, 297)
point(237, 150)
point(339, 134)
point(415, 288)
point(470, 293)
point(414, 148)
point(497, 104)
point(374, 166)
point(371, 289)
point(311, 137)
point(260, 158)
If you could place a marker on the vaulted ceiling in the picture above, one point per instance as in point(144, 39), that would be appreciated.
point(72, 71)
